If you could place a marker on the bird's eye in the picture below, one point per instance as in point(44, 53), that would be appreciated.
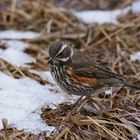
point(61, 55)
point(64, 53)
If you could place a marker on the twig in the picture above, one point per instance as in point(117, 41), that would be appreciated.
point(5, 126)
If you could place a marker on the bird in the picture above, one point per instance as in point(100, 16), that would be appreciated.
point(78, 73)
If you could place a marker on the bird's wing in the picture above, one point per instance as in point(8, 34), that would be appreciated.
point(82, 59)
point(85, 66)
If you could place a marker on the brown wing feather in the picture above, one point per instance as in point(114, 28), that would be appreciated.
point(83, 79)
point(85, 66)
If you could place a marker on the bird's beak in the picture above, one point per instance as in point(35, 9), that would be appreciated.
point(50, 60)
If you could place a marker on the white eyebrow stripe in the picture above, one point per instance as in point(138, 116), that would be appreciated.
point(62, 48)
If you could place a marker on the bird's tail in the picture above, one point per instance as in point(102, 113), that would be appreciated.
point(132, 85)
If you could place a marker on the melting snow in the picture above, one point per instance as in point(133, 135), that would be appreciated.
point(136, 6)
point(137, 138)
point(12, 34)
point(108, 16)
point(98, 16)
point(15, 44)
point(135, 56)
point(16, 57)
point(14, 53)
point(21, 101)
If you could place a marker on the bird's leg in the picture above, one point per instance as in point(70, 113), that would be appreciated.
point(83, 102)
point(76, 104)
point(79, 104)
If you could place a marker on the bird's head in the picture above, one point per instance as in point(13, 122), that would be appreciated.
point(60, 53)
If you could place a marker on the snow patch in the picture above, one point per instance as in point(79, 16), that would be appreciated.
point(14, 53)
point(137, 138)
point(15, 44)
point(16, 57)
point(98, 16)
point(108, 16)
point(135, 56)
point(136, 6)
point(21, 101)
point(12, 34)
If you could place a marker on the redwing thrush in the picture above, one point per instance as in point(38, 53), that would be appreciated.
point(78, 73)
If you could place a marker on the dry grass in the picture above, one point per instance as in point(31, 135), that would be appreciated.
point(101, 118)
